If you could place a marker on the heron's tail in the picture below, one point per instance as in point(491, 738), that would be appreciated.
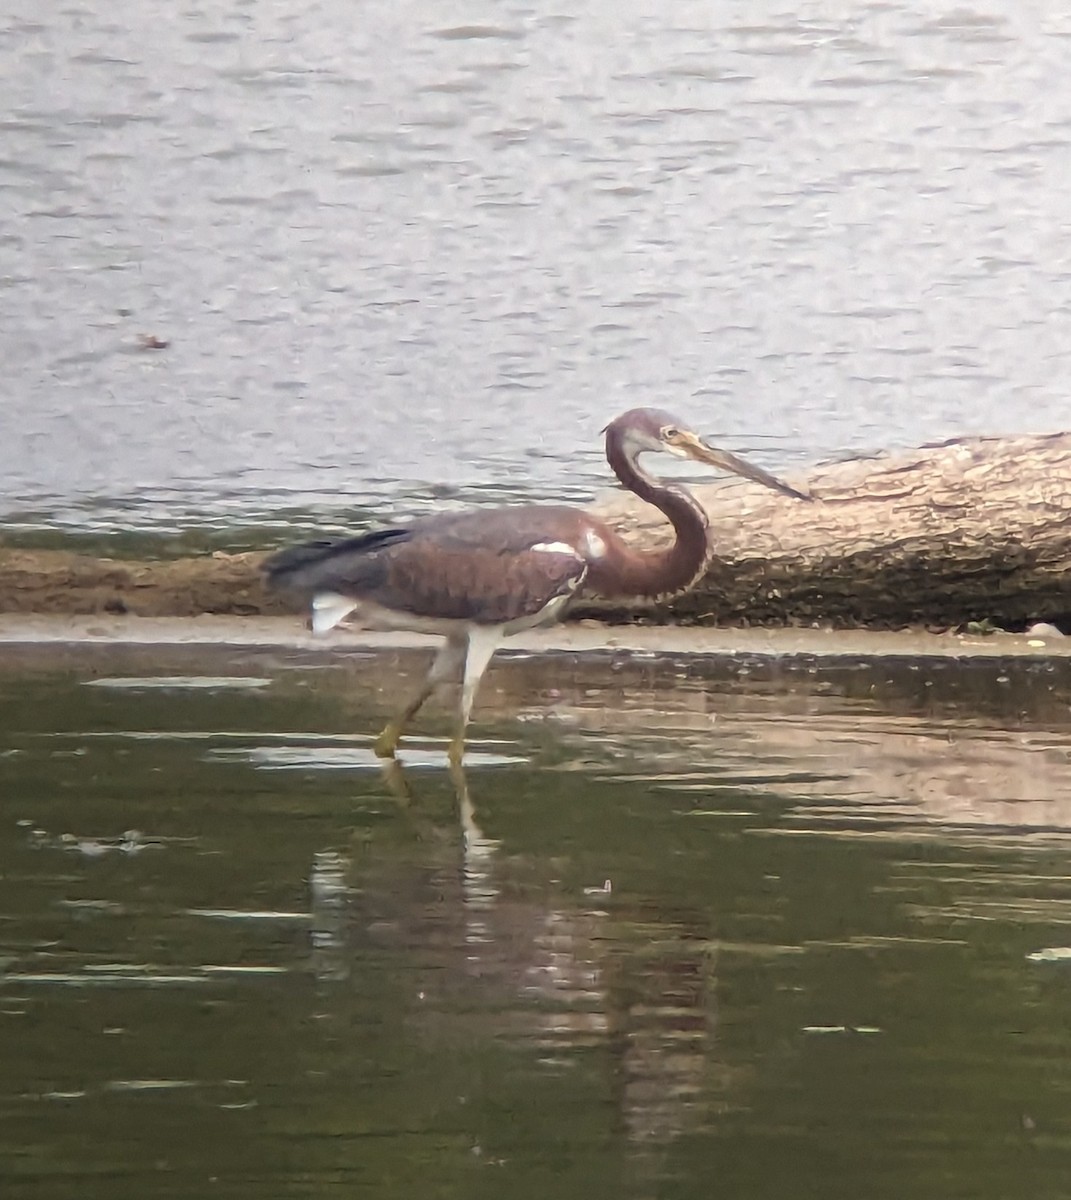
point(293, 566)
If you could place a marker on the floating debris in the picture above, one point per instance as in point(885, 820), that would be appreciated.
point(1051, 954)
point(149, 341)
point(863, 1029)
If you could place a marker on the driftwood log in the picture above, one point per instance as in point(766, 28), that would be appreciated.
point(969, 530)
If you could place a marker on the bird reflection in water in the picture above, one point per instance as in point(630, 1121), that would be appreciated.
point(478, 891)
point(507, 953)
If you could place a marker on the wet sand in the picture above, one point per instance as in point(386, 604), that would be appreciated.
point(583, 638)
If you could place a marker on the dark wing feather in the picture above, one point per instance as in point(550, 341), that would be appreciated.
point(476, 566)
point(311, 566)
point(475, 583)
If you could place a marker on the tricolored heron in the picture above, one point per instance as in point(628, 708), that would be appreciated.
point(476, 577)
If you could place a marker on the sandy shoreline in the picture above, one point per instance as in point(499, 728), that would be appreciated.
point(44, 631)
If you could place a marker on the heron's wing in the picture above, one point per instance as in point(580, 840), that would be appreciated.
point(491, 566)
point(487, 584)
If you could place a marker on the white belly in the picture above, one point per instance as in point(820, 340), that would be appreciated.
point(330, 609)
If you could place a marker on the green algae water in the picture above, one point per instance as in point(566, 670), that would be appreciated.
point(684, 928)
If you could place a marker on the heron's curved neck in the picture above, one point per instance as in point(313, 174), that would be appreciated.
point(657, 572)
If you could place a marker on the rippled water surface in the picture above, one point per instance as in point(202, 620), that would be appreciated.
point(685, 928)
point(405, 253)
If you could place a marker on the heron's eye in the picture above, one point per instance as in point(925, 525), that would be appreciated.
point(670, 432)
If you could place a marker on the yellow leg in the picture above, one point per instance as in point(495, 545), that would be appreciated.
point(387, 742)
point(446, 662)
point(456, 751)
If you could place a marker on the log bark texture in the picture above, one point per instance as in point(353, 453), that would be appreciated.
point(968, 530)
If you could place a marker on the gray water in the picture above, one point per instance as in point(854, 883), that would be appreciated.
point(685, 928)
point(413, 253)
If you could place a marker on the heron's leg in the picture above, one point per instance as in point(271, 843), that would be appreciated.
point(449, 658)
point(482, 643)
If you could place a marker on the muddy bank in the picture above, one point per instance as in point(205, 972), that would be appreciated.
point(587, 637)
point(60, 581)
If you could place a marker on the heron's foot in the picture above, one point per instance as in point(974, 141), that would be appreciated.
point(456, 752)
point(386, 745)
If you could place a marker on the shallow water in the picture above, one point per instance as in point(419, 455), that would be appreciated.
point(420, 254)
point(755, 927)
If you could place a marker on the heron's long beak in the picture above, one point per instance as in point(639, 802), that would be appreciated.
point(725, 461)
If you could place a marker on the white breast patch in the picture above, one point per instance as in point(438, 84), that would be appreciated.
point(594, 544)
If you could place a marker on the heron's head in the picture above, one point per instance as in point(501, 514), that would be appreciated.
point(652, 430)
